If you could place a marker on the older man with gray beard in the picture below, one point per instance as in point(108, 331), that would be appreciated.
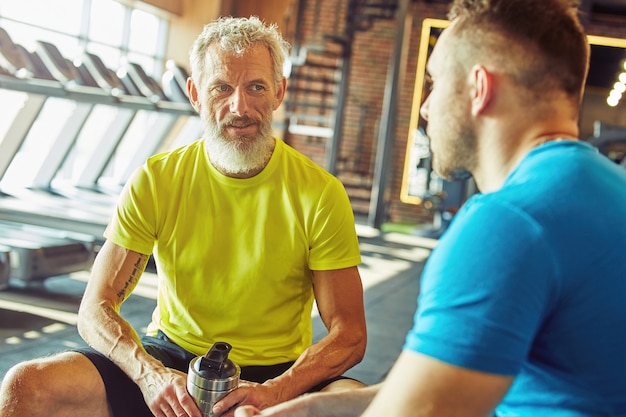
point(245, 232)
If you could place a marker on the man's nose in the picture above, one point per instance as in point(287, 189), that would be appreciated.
point(424, 108)
point(239, 102)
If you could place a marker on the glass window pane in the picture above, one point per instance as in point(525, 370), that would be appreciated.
point(129, 144)
point(107, 22)
point(96, 126)
point(60, 15)
point(108, 54)
point(11, 102)
point(27, 36)
point(144, 31)
point(148, 63)
point(47, 127)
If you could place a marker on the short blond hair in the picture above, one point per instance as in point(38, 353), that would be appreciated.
point(541, 41)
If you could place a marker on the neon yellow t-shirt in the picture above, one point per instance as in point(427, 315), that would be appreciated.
point(234, 256)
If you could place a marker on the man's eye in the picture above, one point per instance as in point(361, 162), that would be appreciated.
point(258, 87)
point(221, 88)
point(428, 83)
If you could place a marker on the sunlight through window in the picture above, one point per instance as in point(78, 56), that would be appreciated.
point(58, 15)
point(105, 27)
point(113, 31)
point(144, 32)
point(107, 22)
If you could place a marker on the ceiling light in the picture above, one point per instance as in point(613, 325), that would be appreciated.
point(612, 101)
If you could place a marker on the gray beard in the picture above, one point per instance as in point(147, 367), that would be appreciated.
point(240, 155)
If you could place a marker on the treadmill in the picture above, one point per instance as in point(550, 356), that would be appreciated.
point(4, 266)
point(89, 82)
point(37, 253)
point(31, 252)
point(174, 81)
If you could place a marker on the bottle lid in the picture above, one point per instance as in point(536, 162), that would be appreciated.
point(215, 364)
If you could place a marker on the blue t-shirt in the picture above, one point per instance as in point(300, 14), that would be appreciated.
point(530, 281)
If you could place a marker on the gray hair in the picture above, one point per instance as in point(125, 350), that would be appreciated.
point(236, 35)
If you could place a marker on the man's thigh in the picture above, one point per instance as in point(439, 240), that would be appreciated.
point(123, 396)
point(341, 383)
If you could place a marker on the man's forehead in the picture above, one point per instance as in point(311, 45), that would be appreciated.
point(441, 48)
point(434, 58)
point(254, 60)
point(254, 52)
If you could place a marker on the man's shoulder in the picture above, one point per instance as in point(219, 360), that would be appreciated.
point(174, 156)
point(298, 161)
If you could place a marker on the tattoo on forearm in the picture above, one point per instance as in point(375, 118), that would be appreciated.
point(134, 276)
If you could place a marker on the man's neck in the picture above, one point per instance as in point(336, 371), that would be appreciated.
point(500, 157)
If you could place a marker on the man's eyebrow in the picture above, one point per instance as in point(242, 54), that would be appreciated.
point(258, 81)
point(221, 81)
point(215, 81)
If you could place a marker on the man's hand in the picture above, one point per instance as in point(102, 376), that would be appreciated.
point(349, 403)
point(165, 393)
point(247, 411)
point(259, 396)
point(299, 407)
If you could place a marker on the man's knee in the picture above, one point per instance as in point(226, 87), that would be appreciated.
point(343, 384)
point(23, 377)
point(34, 378)
point(66, 380)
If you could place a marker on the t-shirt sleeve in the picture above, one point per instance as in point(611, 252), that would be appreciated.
point(133, 223)
point(485, 290)
point(333, 240)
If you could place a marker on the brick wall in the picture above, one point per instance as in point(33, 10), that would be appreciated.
point(371, 53)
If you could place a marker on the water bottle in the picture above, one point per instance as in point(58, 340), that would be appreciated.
point(211, 377)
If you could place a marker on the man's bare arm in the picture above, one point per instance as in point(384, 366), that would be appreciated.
point(324, 404)
point(339, 297)
point(419, 385)
point(114, 275)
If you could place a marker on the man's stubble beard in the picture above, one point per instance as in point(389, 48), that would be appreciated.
point(460, 153)
point(238, 155)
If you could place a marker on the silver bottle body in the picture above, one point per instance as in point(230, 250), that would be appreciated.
point(206, 392)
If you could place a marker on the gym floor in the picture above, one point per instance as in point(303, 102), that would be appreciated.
point(39, 320)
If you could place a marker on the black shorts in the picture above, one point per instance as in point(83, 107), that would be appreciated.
point(124, 396)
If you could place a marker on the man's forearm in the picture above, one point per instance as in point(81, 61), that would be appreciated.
point(114, 275)
point(339, 298)
point(162, 388)
point(326, 404)
point(328, 358)
point(344, 403)
point(106, 331)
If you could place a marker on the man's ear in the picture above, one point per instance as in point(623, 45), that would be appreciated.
point(193, 94)
point(482, 88)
